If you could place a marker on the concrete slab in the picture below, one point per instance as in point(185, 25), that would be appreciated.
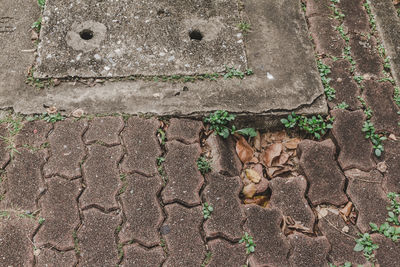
point(121, 38)
point(278, 50)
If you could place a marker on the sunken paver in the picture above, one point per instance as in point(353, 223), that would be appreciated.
point(326, 38)
point(142, 146)
point(67, 149)
point(96, 239)
point(356, 18)
point(388, 253)
point(392, 159)
point(342, 81)
point(135, 255)
point(24, 180)
point(59, 209)
point(224, 253)
point(318, 7)
point(184, 242)
point(355, 150)
point(4, 154)
point(363, 50)
point(101, 175)
point(227, 218)
point(308, 251)
point(367, 195)
point(317, 160)
point(184, 179)
point(53, 258)
point(184, 130)
point(33, 134)
point(224, 157)
point(272, 247)
point(288, 195)
point(342, 242)
point(142, 210)
point(378, 96)
point(105, 130)
point(16, 248)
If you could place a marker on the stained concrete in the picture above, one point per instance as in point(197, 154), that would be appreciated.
point(278, 50)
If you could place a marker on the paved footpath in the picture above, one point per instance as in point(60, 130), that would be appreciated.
point(111, 191)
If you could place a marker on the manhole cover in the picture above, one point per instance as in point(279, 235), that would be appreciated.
point(92, 38)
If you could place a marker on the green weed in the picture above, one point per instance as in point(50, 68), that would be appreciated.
point(244, 27)
point(342, 105)
point(365, 244)
point(52, 117)
point(248, 240)
point(203, 165)
point(324, 71)
point(376, 139)
point(207, 210)
point(316, 125)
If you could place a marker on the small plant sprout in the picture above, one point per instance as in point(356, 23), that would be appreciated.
point(207, 210)
point(160, 160)
point(161, 136)
point(316, 125)
point(234, 73)
point(53, 117)
point(203, 165)
point(248, 240)
point(346, 264)
point(342, 105)
point(219, 122)
point(365, 244)
point(244, 27)
point(324, 71)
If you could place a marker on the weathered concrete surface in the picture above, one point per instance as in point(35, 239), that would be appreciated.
point(122, 44)
point(277, 42)
point(388, 25)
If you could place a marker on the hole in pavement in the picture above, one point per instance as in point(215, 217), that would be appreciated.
point(196, 35)
point(86, 34)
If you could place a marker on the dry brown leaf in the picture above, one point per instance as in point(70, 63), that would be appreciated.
point(347, 209)
point(283, 159)
point(252, 175)
point(52, 110)
point(77, 113)
point(282, 171)
point(257, 141)
point(249, 190)
point(382, 167)
point(244, 150)
point(271, 171)
point(262, 186)
point(272, 152)
point(292, 143)
point(259, 169)
point(392, 136)
point(396, 2)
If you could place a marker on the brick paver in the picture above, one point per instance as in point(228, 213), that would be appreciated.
point(4, 154)
point(142, 146)
point(135, 255)
point(33, 134)
point(363, 50)
point(66, 149)
point(97, 240)
point(227, 218)
point(142, 210)
point(184, 242)
point(392, 160)
point(322, 172)
point(184, 130)
point(24, 180)
point(53, 258)
point(60, 214)
point(184, 179)
point(102, 178)
point(308, 251)
point(224, 253)
point(356, 19)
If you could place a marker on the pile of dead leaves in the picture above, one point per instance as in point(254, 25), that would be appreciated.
point(264, 157)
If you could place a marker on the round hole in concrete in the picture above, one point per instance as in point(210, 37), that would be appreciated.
point(86, 34)
point(196, 35)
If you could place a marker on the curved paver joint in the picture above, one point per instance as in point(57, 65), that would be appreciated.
point(142, 210)
point(135, 255)
point(184, 130)
point(184, 178)
point(105, 130)
point(288, 195)
point(59, 209)
point(368, 197)
point(391, 181)
point(272, 247)
point(341, 241)
point(24, 180)
point(53, 258)
point(142, 146)
point(224, 253)
point(355, 150)
point(317, 160)
point(97, 240)
point(308, 251)
point(67, 149)
point(227, 218)
point(183, 238)
point(101, 175)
